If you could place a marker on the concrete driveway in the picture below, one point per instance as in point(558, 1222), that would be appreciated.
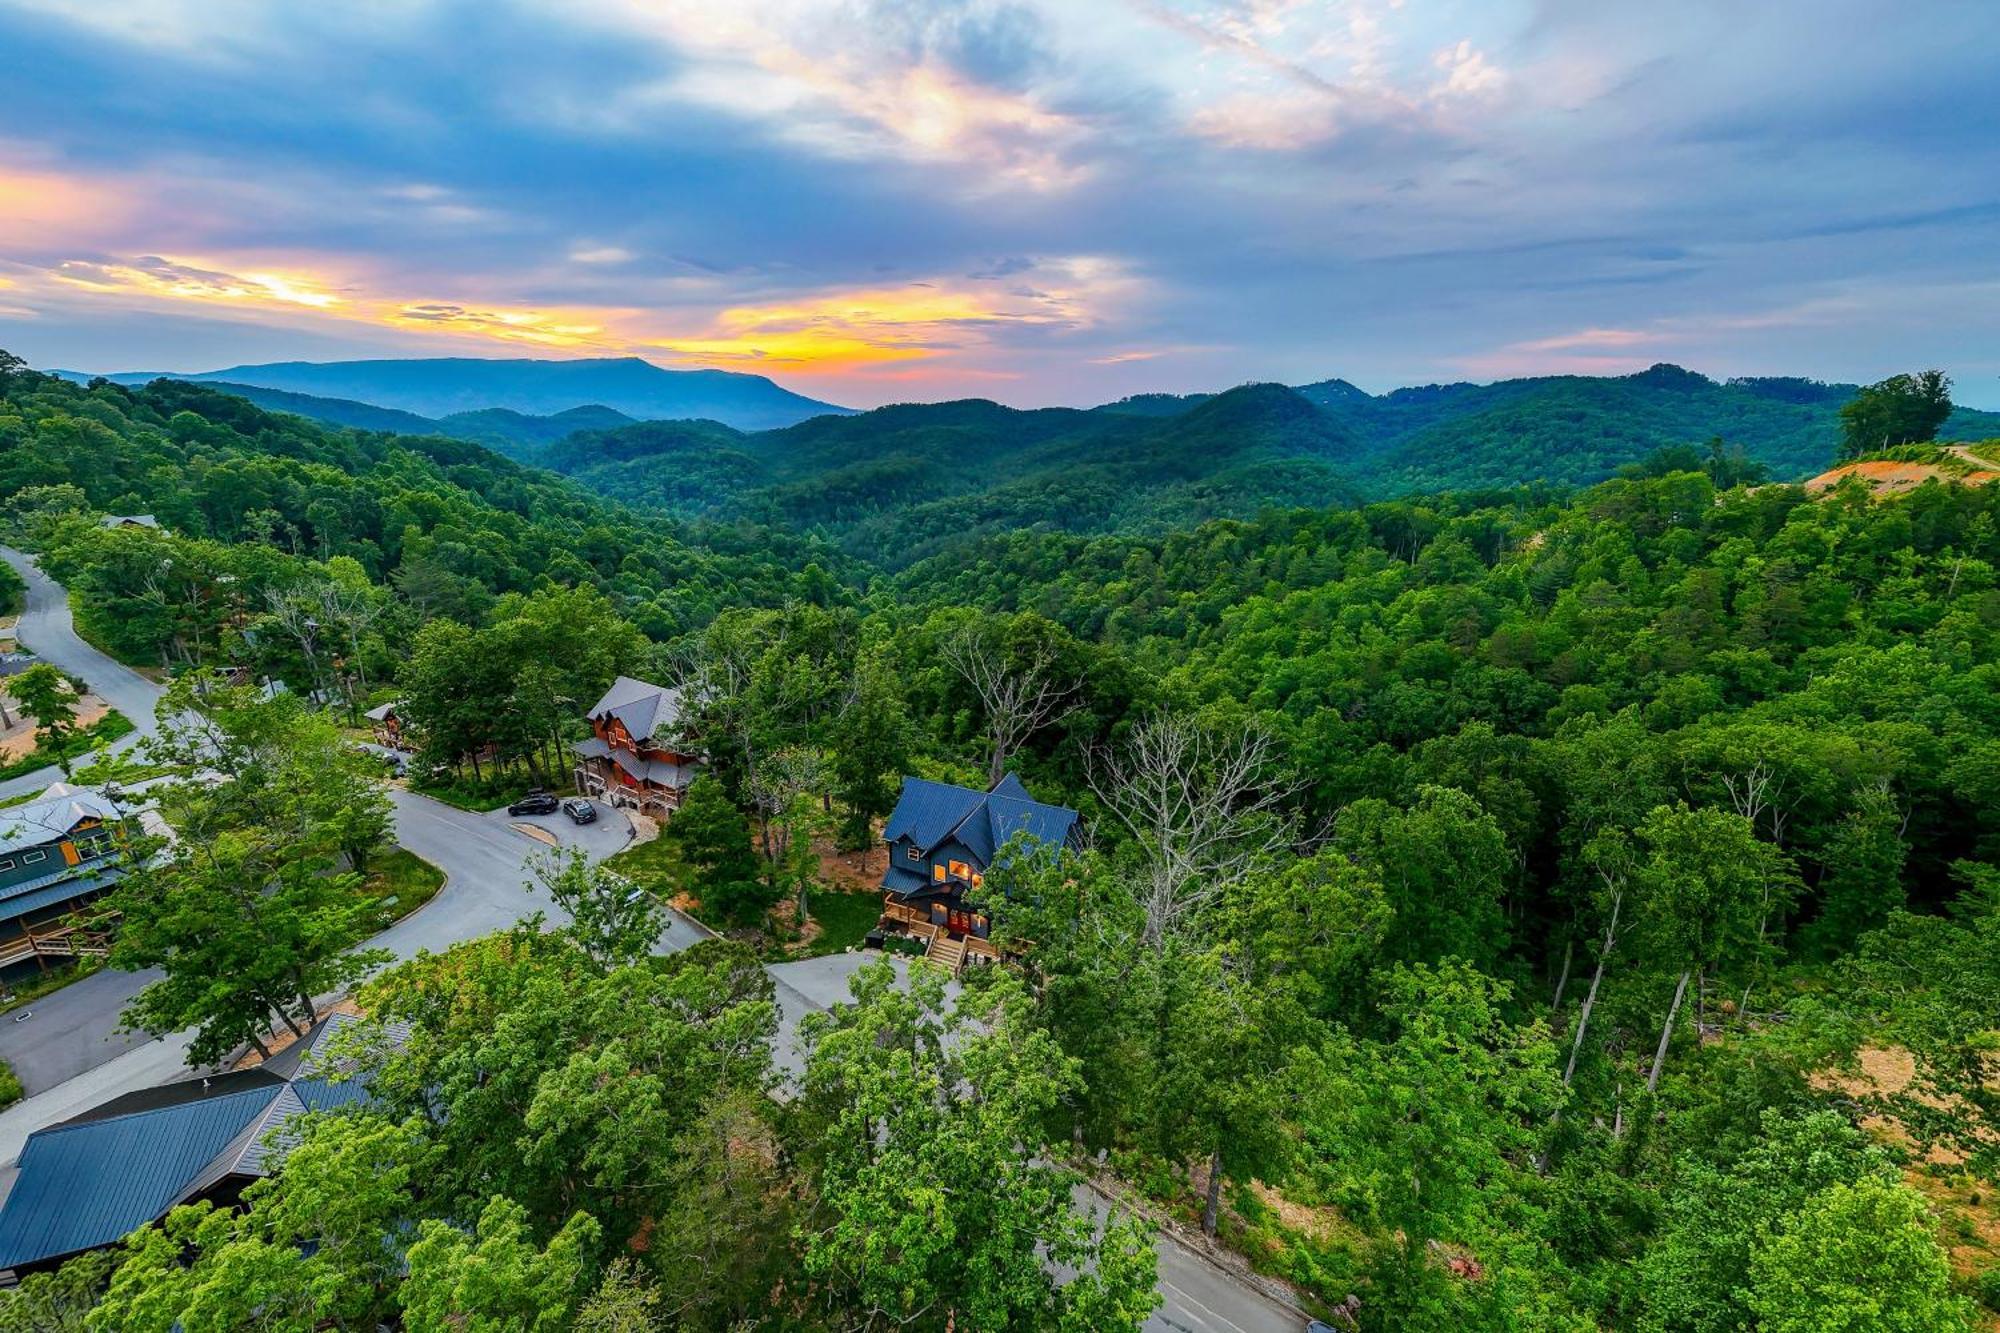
point(47, 629)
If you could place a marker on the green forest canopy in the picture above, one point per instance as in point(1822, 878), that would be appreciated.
point(1596, 831)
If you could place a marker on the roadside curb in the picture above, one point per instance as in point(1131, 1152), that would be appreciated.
point(1226, 1263)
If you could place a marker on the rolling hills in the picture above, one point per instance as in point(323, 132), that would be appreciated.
point(899, 482)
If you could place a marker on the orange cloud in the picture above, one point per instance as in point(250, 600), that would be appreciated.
point(822, 333)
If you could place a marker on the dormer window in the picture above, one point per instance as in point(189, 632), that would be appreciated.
point(914, 852)
point(937, 874)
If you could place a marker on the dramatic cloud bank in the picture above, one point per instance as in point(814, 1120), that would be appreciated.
point(1037, 200)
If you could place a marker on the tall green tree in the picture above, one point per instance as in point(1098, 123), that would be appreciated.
point(497, 1279)
point(869, 746)
point(1903, 409)
point(933, 1204)
point(712, 839)
point(1428, 1130)
point(615, 922)
point(250, 909)
point(45, 695)
point(1858, 1258)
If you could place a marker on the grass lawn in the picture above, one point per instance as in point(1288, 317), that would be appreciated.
point(10, 1086)
point(844, 919)
point(107, 729)
point(42, 983)
point(401, 881)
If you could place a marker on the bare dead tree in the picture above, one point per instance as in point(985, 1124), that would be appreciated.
point(1203, 807)
point(298, 617)
point(775, 785)
point(350, 611)
point(1756, 792)
point(1020, 697)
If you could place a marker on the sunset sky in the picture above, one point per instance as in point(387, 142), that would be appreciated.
point(1059, 202)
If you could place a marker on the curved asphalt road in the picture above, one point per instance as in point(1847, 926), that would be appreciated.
point(71, 1056)
point(47, 630)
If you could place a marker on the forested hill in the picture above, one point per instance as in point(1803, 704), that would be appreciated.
point(448, 522)
point(1539, 873)
point(517, 435)
point(899, 481)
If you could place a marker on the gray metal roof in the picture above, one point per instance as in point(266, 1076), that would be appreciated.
point(658, 771)
point(50, 816)
point(644, 709)
point(59, 887)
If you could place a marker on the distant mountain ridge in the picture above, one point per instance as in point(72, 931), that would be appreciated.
point(441, 387)
point(512, 434)
point(901, 482)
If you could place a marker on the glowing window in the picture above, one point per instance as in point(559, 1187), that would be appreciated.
point(960, 870)
point(937, 873)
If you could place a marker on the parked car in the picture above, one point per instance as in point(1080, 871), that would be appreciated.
point(534, 803)
point(579, 810)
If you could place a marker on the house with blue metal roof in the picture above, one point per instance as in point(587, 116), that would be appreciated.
point(57, 853)
point(942, 840)
point(92, 1180)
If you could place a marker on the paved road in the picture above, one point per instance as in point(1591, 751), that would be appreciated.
point(71, 1057)
point(485, 860)
point(47, 630)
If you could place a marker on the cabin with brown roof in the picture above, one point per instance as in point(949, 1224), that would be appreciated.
point(636, 757)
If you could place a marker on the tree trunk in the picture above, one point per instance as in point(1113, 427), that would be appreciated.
point(1211, 1211)
point(997, 768)
point(1596, 979)
point(257, 1045)
point(1562, 981)
point(1666, 1033)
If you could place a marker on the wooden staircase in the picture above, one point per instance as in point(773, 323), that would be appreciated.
point(947, 953)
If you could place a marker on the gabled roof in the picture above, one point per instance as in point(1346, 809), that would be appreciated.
point(642, 708)
point(51, 815)
point(661, 772)
point(82, 1185)
point(381, 712)
point(930, 814)
point(96, 1178)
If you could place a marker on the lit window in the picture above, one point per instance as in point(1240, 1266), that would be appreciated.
point(977, 879)
point(937, 873)
point(960, 870)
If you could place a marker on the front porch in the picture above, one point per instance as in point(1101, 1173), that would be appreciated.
point(953, 936)
point(607, 782)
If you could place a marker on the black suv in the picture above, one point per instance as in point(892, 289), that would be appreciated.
point(579, 810)
point(534, 803)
